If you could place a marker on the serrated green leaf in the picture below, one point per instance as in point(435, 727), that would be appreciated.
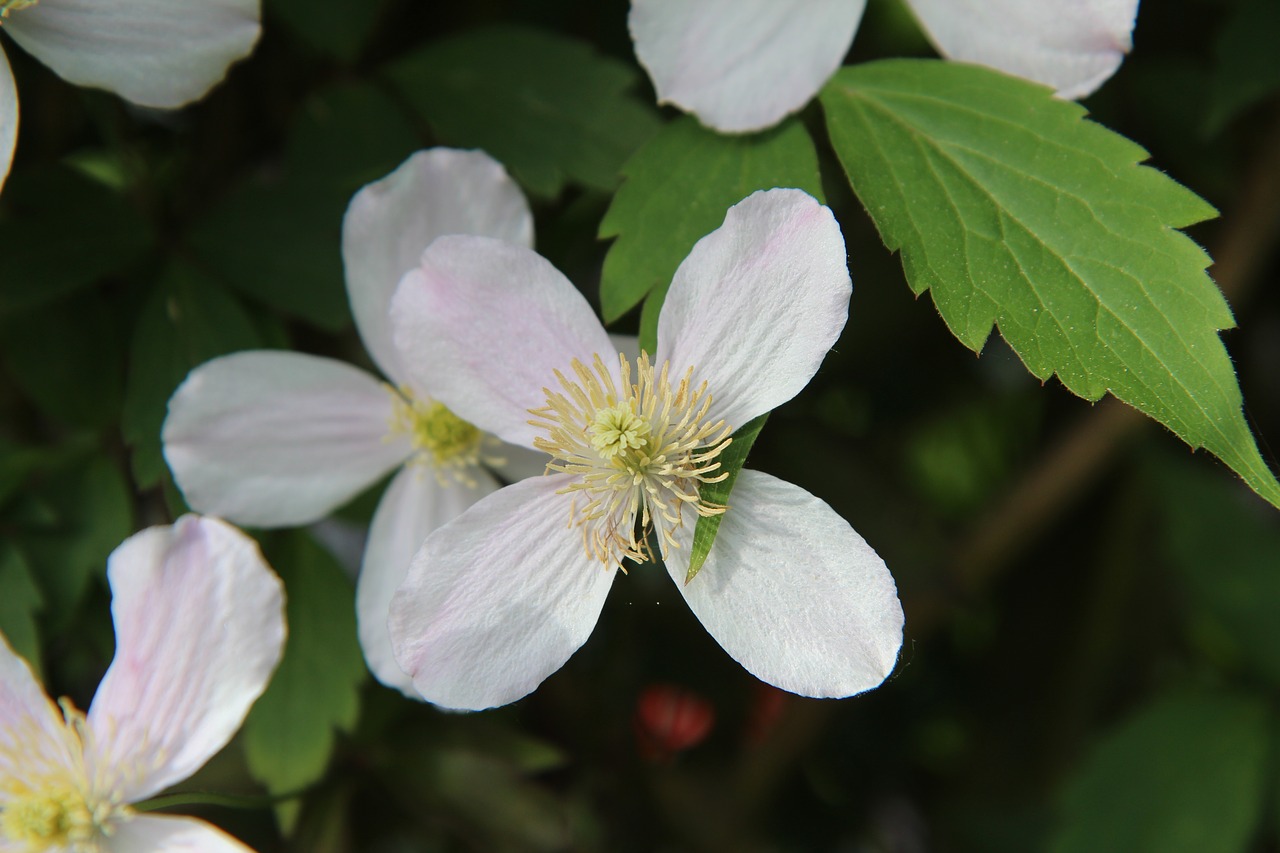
point(290, 733)
point(1184, 775)
point(1225, 552)
point(1014, 211)
point(731, 462)
point(59, 232)
point(677, 189)
point(550, 108)
point(20, 599)
point(187, 320)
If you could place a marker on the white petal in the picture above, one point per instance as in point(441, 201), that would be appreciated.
point(518, 463)
point(757, 304)
point(485, 325)
point(793, 593)
point(273, 438)
point(8, 117)
point(34, 741)
point(741, 65)
point(498, 599)
point(199, 619)
point(1071, 45)
point(170, 834)
point(392, 221)
point(413, 507)
point(157, 53)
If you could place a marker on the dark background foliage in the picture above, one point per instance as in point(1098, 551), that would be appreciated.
point(1092, 651)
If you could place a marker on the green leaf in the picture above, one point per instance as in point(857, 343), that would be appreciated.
point(550, 108)
point(278, 240)
point(677, 189)
point(1013, 210)
point(68, 357)
point(339, 28)
point(289, 735)
point(59, 232)
point(731, 461)
point(1225, 551)
point(91, 507)
point(1184, 775)
point(187, 320)
point(20, 599)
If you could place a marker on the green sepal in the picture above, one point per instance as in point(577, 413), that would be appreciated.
point(731, 462)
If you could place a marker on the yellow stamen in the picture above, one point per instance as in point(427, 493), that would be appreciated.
point(444, 441)
point(637, 453)
point(7, 6)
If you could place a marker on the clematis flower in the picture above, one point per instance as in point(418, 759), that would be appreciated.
point(743, 65)
point(499, 598)
point(199, 620)
point(156, 53)
point(274, 438)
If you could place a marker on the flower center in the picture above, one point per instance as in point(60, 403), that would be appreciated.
point(450, 445)
point(50, 815)
point(7, 6)
point(639, 452)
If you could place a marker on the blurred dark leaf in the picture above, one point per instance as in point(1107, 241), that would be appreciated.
point(69, 358)
point(1186, 774)
point(289, 735)
point(59, 232)
point(187, 320)
point(92, 512)
point(339, 29)
point(277, 239)
point(677, 189)
point(20, 599)
point(1246, 69)
point(549, 107)
point(1225, 546)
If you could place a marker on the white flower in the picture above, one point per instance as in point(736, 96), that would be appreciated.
point(499, 598)
point(199, 620)
point(742, 65)
point(276, 438)
point(157, 53)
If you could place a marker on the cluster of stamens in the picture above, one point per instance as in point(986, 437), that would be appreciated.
point(450, 446)
point(49, 801)
point(638, 452)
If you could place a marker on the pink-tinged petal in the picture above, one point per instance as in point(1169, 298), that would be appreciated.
point(414, 506)
point(8, 117)
point(485, 324)
point(157, 53)
point(34, 741)
point(757, 303)
point(741, 65)
point(392, 221)
point(498, 599)
point(170, 834)
point(273, 438)
point(1072, 45)
point(793, 593)
point(199, 619)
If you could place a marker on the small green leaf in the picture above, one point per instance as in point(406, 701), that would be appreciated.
point(731, 461)
point(1186, 774)
point(1013, 210)
point(346, 136)
point(290, 733)
point(186, 321)
point(548, 107)
point(677, 189)
point(1225, 552)
point(20, 599)
point(59, 232)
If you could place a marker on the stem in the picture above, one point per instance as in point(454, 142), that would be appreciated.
point(208, 798)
